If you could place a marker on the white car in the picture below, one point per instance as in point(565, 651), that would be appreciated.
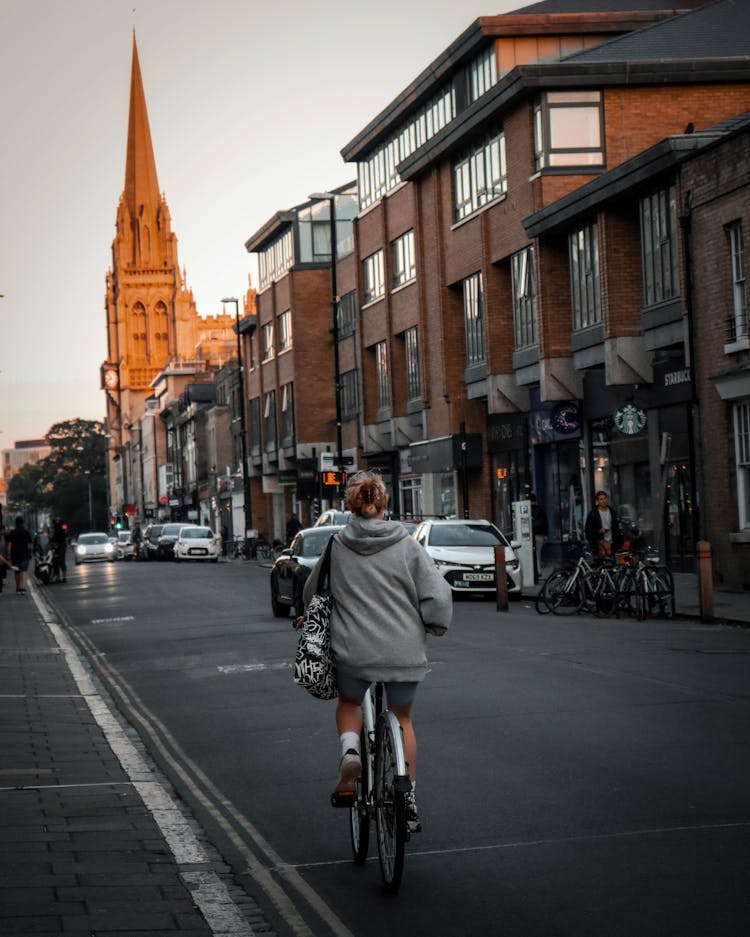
point(93, 547)
point(125, 548)
point(464, 553)
point(197, 543)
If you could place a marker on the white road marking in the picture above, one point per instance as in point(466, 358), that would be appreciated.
point(106, 621)
point(256, 666)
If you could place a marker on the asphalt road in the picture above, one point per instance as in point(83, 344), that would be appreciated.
point(576, 776)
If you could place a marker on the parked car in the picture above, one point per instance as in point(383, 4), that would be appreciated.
point(292, 567)
point(125, 548)
point(197, 543)
point(167, 539)
point(333, 517)
point(150, 541)
point(90, 548)
point(464, 553)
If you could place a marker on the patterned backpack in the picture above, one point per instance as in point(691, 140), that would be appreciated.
point(313, 663)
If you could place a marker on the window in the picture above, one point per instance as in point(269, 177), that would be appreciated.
point(382, 378)
point(347, 314)
point(267, 341)
point(738, 320)
point(404, 268)
point(659, 247)
point(480, 176)
point(568, 130)
point(269, 421)
point(524, 298)
point(349, 394)
point(287, 414)
point(285, 331)
point(742, 449)
point(374, 281)
point(476, 346)
point(276, 259)
point(255, 427)
point(584, 277)
point(482, 73)
point(413, 370)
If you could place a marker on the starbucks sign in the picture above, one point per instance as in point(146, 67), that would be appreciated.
point(629, 419)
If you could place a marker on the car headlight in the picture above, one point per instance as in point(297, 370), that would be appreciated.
point(440, 563)
point(108, 548)
point(80, 550)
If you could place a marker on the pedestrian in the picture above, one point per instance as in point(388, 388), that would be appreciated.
point(292, 526)
point(388, 595)
point(19, 543)
point(602, 527)
point(4, 561)
point(540, 533)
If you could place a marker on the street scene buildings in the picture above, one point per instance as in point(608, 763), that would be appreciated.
point(534, 280)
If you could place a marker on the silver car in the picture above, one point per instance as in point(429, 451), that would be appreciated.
point(464, 553)
point(91, 548)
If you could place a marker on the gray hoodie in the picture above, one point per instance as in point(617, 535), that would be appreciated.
point(387, 594)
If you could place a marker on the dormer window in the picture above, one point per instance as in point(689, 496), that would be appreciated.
point(569, 130)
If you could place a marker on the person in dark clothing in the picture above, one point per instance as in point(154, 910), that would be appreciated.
point(19, 543)
point(292, 526)
point(602, 528)
point(59, 547)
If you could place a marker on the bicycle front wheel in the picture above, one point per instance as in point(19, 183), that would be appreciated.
point(359, 813)
point(391, 785)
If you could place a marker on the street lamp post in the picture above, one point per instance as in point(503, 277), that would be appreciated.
point(87, 473)
point(330, 197)
point(246, 502)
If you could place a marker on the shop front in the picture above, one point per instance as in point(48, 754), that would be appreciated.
point(436, 474)
point(508, 449)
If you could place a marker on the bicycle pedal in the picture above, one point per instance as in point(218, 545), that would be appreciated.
point(342, 799)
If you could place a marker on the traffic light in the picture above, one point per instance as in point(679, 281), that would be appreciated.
point(118, 522)
point(111, 522)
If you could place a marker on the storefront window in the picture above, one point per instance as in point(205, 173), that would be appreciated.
point(511, 479)
point(411, 498)
point(621, 468)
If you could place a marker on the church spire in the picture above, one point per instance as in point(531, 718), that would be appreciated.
point(141, 181)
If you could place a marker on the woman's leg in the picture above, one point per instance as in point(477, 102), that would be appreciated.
point(349, 715)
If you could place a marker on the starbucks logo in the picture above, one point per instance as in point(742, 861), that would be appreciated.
point(629, 419)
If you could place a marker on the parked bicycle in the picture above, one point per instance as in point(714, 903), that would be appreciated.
point(381, 791)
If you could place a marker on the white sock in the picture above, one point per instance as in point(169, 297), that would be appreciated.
point(349, 740)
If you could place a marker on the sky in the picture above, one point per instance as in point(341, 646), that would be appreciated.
point(249, 105)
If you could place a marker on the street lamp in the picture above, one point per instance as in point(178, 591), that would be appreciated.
point(331, 199)
point(246, 503)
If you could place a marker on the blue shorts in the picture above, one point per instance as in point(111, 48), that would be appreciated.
point(397, 694)
point(22, 564)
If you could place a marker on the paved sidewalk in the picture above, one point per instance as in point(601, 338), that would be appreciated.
point(81, 851)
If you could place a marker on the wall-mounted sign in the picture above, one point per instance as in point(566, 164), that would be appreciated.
point(629, 419)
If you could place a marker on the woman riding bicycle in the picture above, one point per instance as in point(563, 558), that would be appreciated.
point(387, 596)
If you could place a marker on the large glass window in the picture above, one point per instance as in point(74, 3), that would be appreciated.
point(742, 450)
point(480, 176)
point(285, 331)
point(476, 342)
point(524, 298)
point(349, 394)
point(738, 320)
point(568, 129)
point(404, 266)
point(659, 248)
point(482, 73)
point(269, 421)
point(413, 369)
point(347, 314)
point(382, 376)
point(287, 414)
point(255, 425)
point(374, 280)
point(585, 288)
point(267, 341)
point(276, 259)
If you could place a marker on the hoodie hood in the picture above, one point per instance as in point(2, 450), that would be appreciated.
point(366, 536)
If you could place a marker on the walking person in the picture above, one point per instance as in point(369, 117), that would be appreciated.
point(602, 527)
point(59, 548)
point(19, 543)
point(5, 563)
point(387, 596)
point(540, 532)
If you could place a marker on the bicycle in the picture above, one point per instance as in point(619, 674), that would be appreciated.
point(381, 791)
point(563, 591)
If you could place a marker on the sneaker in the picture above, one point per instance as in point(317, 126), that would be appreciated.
point(412, 814)
point(350, 771)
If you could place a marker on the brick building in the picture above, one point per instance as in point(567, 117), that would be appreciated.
point(496, 350)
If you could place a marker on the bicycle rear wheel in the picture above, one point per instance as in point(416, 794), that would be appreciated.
point(359, 814)
point(563, 592)
point(391, 785)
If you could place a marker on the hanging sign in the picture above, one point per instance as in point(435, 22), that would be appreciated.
point(629, 419)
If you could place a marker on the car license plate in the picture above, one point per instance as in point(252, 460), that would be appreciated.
point(479, 577)
point(197, 551)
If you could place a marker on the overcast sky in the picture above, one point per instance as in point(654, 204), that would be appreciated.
point(249, 103)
